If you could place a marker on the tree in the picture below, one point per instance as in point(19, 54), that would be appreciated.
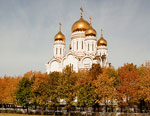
point(95, 71)
point(111, 72)
point(127, 88)
point(24, 92)
point(85, 90)
point(40, 89)
point(105, 90)
point(8, 85)
point(66, 87)
point(144, 86)
point(45, 89)
point(52, 89)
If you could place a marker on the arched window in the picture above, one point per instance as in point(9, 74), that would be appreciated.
point(77, 45)
point(60, 50)
point(88, 47)
point(73, 45)
point(82, 44)
point(92, 47)
point(56, 50)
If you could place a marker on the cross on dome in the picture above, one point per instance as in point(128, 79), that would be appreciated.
point(90, 20)
point(60, 26)
point(101, 32)
point(81, 10)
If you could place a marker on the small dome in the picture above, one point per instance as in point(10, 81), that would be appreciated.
point(59, 36)
point(90, 31)
point(101, 41)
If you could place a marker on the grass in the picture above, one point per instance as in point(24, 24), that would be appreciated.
point(12, 114)
point(9, 114)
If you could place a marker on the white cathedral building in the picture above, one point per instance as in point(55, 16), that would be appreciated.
point(84, 49)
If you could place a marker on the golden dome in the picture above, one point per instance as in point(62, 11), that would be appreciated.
point(90, 31)
point(101, 41)
point(59, 36)
point(81, 24)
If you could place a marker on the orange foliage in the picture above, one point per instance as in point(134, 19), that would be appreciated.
point(8, 85)
point(105, 89)
point(39, 86)
point(144, 83)
point(83, 77)
point(127, 89)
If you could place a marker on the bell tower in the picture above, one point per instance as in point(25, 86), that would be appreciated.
point(90, 40)
point(102, 51)
point(59, 44)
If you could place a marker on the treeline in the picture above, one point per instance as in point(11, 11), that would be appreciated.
point(107, 88)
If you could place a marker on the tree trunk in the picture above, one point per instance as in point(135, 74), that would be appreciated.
point(14, 108)
point(27, 109)
point(86, 111)
point(54, 110)
point(68, 110)
point(54, 113)
point(69, 113)
point(112, 108)
point(104, 110)
point(121, 108)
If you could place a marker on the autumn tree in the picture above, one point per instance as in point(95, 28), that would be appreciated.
point(45, 89)
point(144, 86)
point(24, 92)
point(40, 90)
point(52, 89)
point(1, 90)
point(85, 90)
point(66, 87)
point(8, 85)
point(127, 88)
point(105, 89)
point(95, 71)
point(111, 72)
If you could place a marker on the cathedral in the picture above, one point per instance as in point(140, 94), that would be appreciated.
point(84, 49)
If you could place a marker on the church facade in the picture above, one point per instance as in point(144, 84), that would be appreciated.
point(84, 49)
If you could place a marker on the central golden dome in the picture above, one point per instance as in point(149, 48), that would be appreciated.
point(80, 25)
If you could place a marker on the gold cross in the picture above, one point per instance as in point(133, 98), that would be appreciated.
point(60, 26)
point(90, 20)
point(81, 10)
point(101, 32)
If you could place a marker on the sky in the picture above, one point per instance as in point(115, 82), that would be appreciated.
point(28, 27)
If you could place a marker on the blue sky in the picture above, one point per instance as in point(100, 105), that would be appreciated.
point(28, 27)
